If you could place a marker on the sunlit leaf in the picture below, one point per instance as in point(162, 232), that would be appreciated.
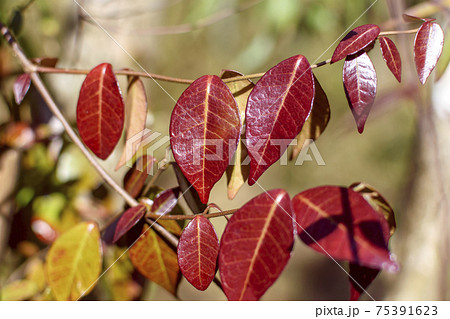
point(100, 111)
point(355, 41)
point(21, 87)
point(339, 223)
point(204, 131)
point(136, 110)
point(156, 260)
point(276, 111)
point(135, 178)
point(392, 57)
point(74, 262)
point(238, 173)
point(360, 84)
point(317, 121)
point(128, 219)
point(256, 245)
point(197, 251)
point(428, 46)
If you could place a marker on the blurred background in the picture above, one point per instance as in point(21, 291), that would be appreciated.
point(403, 151)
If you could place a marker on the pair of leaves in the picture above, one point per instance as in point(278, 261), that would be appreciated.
point(163, 203)
point(205, 125)
point(335, 221)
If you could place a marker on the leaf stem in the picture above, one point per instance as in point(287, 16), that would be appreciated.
point(188, 217)
point(398, 32)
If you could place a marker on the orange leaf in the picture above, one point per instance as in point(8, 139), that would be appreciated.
point(156, 260)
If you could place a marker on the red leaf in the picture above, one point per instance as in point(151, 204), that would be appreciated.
point(427, 49)
point(340, 223)
point(392, 57)
point(355, 41)
point(256, 245)
point(128, 219)
point(276, 111)
point(21, 87)
point(100, 111)
point(360, 84)
point(204, 130)
point(135, 178)
point(165, 201)
point(197, 252)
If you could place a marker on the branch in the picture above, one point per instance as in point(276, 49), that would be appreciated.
point(40, 86)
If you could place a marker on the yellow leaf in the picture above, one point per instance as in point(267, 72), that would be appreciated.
point(136, 107)
point(237, 174)
point(18, 290)
point(316, 122)
point(74, 262)
point(156, 260)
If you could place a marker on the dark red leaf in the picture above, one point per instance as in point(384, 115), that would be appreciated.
point(276, 111)
point(135, 178)
point(392, 57)
point(165, 201)
point(427, 49)
point(204, 131)
point(197, 252)
point(341, 224)
point(21, 87)
point(256, 245)
point(363, 276)
point(128, 219)
point(355, 41)
point(360, 85)
point(190, 195)
point(100, 111)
